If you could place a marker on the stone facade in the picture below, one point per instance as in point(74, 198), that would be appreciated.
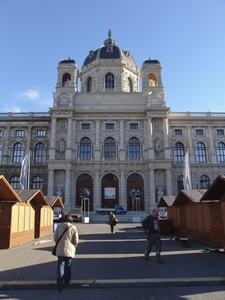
point(111, 143)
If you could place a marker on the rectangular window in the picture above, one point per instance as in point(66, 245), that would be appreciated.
point(220, 132)
point(133, 126)
point(199, 132)
point(178, 132)
point(109, 126)
point(85, 126)
point(19, 132)
point(1, 132)
point(41, 132)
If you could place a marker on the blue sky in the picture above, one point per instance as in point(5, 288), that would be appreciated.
point(187, 37)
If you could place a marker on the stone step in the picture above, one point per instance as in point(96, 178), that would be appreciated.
point(129, 217)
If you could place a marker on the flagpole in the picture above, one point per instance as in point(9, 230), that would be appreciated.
point(187, 172)
point(28, 176)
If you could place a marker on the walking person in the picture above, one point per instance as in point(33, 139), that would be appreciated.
point(112, 221)
point(67, 235)
point(151, 226)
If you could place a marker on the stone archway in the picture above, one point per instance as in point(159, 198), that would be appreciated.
point(84, 190)
point(135, 189)
point(110, 193)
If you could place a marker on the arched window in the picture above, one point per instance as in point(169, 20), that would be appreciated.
point(152, 80)
point(109, 81)
point(200, 152)
point(134, 148)
point(135, 178)
point(37, 183)
point(109, 148)
point(180, 183)
point(18, 153)
point(66, 80)
point(85, 148)
point(84, 178)
point(221, 152)
point(178, 152)
point(129, 85)
point(15, 182)
point(204, 182)
point(89, 84)
point(39, 153)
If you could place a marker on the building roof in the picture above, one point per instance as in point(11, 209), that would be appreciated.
point(216, 190)
point(54, 201)
point(188, 196)
point(109, 51)
point(7, 193)
point(34, 196)
point(166, 201)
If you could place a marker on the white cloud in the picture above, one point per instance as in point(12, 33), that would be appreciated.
point(13, 109)
point(32, 100)
point(30, 94)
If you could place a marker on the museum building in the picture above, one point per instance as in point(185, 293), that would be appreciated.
point(115, 139)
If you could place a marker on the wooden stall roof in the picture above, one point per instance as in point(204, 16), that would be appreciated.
point(54, 201)
point(7, 193)
point(188, 197)
point(216, 190)
point(34, 196)
point(166, 201)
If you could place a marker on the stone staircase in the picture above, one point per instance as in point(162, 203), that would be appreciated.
point(129, 217)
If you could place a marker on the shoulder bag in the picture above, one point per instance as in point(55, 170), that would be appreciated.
point(54, 249)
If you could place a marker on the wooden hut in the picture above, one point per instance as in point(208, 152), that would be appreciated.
point(43, 220)
point(166, 224)
point(213, 202)
point(184, 212)
point(16, 217)
point(55, 202)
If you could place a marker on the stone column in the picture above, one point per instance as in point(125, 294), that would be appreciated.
point(191, 151)
point(149, 139)
point(168, 183)
point(167, 150)
point(6, 154)
point(123, 189)
point(97, 143)
point(212, 149)
point(152, 191)
point(50, 182)
point(122, 154)
point(53, 140)
point(67, 203)
point(97, 189)
point(165, 132)
point(69, 140)
point(29, 139)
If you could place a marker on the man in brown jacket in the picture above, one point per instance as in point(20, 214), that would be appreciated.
point(65, 250)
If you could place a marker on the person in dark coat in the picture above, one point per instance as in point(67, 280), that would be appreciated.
point(112, 221)
point(151, 227)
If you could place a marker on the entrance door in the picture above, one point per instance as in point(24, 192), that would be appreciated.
point(135, 189)
point(109, 191)
point(84, 190)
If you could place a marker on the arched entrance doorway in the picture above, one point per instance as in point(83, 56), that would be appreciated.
point(84, 190)
point(110, 191)
point(135, 189)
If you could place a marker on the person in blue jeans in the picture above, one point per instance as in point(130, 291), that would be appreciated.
point(65, 250)
point(151, 227)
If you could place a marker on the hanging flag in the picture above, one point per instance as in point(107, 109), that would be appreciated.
point(25, 172)
point(187, 173)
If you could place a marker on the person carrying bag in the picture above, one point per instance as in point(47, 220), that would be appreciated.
point(66, 237)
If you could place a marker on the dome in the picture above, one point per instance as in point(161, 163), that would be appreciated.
point(67, 61)
point(109, 51)
point(151, 61)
